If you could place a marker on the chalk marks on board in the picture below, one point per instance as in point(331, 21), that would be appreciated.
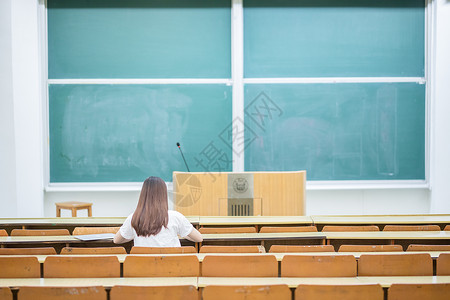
point(370, 131)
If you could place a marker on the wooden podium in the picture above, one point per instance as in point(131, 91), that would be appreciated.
point(245, 193)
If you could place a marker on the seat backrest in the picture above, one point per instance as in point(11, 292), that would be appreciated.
point(219, 230)
point(39, 232)
point(413, 247)
point(301, 248)
point(332, 292)
point(81, 266)
point(240, 266)
point(231, 249)
point(28, 251)
point(370, 248)
point(339, 228)
point(270, 229)
point(154, 292)
point(97, 250)
point(412, 228)
point(447, 228)
point(58, 293)
point(161, 266)
point(19, 267)
point(395, 265)
point(253, 292)
point(94, 230)
point(435, 291)
point(5, 293)
point(3, 232)
point(318, 266)
point(162, 250)
point(443, 264)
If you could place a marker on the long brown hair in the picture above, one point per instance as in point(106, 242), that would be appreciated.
point(151, 213)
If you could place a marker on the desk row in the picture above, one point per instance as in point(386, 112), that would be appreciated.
point(222, 230)
point(320, 221)
point(411, 288)
point(188, 265)
point(223, 249)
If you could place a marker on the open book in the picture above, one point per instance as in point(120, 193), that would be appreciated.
point(94, 237)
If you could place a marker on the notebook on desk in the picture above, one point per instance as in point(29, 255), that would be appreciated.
point(94, 237)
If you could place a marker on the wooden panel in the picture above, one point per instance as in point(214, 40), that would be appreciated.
point(163, 250)
point(301, 248)
point(414, 247)
point(28, 251)
point(97, 250)
point(282, 194)
point(73, 267)
point(154, 293)
point(205, 194)
point(161, 266)
point(19, 267)
point(39, 232)
point(383, 219)
point(219, 230)
point(279, 292)
point(395, 265)
point(240, 266)
point(332, 292)
point(5, 293)
point(443, 264)
point(94, 230)
point(370, 248)
point(433, 291)
point(57, 293)
point(318, 266)
point(268, 229)
point(332, 228)
point(199, 193)
point(231, 249)
point(412, 228)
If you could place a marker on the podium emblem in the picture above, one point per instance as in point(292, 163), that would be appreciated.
point(240, 185)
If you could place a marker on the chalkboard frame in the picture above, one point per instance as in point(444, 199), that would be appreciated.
point(237, 82)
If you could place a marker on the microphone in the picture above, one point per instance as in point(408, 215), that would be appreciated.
point(179, 147)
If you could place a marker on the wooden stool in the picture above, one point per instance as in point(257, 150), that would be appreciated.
point(73, 206)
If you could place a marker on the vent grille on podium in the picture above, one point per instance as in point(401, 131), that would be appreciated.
point(240, 207)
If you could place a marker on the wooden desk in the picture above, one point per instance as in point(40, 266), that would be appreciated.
point(106, 282)
point(255, 221)
point(293, 282)
point(58, 242)
point(279, 256)
point(200, 282)
point(381, 220)
point(264, 236)
point(387, 281)
point(265, 239)
point(403, 238)
point(8, 240)
point(389, 235)
point(386, 237)
point(52, 223)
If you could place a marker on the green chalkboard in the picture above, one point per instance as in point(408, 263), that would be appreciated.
point(364, 131)
point(125, 133)
point(329, 38)
point(139, 39)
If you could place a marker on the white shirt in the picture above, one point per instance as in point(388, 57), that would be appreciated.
point(177, 225)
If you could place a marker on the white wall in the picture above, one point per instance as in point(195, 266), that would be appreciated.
point(8, 202)
point(441, 113)
point(21, 136)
